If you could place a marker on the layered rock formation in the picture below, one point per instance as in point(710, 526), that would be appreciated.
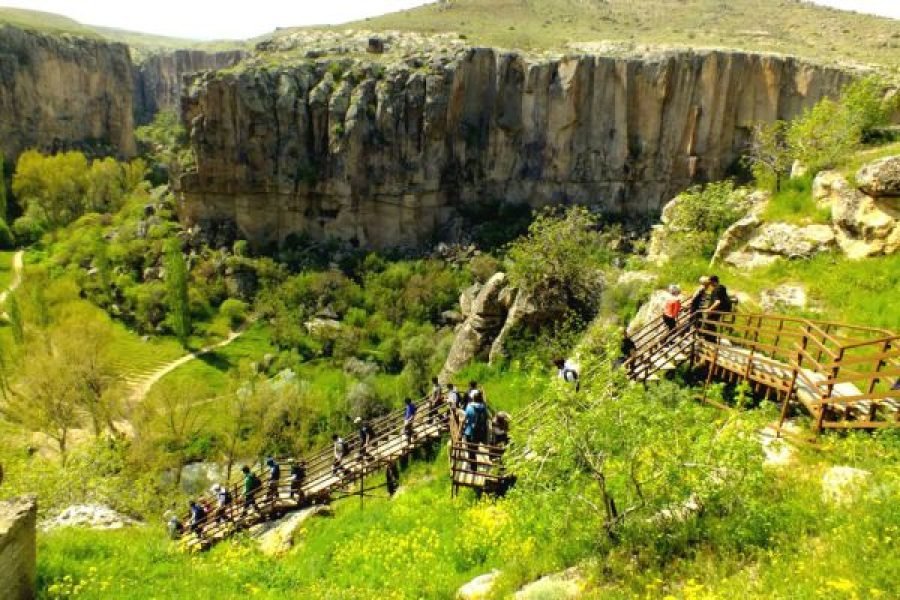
point(17, 548)
point(385, 156)
point(158, 78)
point(64, 91)
point(864, 222)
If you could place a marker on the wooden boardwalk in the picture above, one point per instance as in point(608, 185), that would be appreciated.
point(845, 376)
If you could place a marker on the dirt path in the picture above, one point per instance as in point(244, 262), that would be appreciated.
point(18, 264)
point(141, 387)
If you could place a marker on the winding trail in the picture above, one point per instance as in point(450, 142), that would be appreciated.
point(18, 263)
point(142, 386)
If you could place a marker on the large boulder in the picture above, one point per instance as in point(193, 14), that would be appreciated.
point(881, 178)
point(276, 538)
point(484, 318)
point(786, 295)
point(479, 588)
point(92, 516)
point(736, 236)
point(866, 226)
point(558, 586)
point(792, 241)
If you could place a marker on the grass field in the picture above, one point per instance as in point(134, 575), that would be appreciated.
point(6, 270)
point(781, 26)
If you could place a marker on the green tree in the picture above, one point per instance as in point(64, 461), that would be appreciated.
point(51, 188)
point(557, 262)
point(865, 102)
point(105, 186)
point(177, 298)
point(824, 135)
point(770, 156)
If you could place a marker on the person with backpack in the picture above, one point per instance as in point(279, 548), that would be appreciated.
point(173, 525)
point(719, 303)
point(198, 515)
point(436, 398)
point(474, 392)
point(365, 436)
point(274, 477)
point(297, 476)
point(251, 485)
point(700, 300)
point(223, 501)
point(340, 451)
point(409, 417)
point(475, 426)
point(567, 370)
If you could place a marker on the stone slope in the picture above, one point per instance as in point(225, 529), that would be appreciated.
point(64, 91)
point(384, 156)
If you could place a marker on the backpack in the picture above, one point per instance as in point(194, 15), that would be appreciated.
point(569, 374)
point(225, 497)
point(254, 481)
point(480, 427)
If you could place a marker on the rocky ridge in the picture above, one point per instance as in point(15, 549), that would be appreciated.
point(382, 153)
point(60, 91)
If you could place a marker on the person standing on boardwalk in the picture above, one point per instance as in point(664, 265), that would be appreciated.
point(274, 477)
point(365, 436)
point(719, 303)
point(699, 300)
point(672, 309)
point(251, 485)
point(298, 476)
point(409, 417)
point(340, 451)
point(198, 515)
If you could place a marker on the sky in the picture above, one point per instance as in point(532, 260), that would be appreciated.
point(242, 19)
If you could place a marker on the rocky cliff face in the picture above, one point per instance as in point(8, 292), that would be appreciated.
point(62, 91)
point(385, 156)
point(158, 79)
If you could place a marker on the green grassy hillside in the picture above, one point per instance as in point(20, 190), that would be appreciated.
point(143, 43)
point(784, 26)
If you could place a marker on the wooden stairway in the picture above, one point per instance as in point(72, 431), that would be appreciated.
point(390, 441)
point(845, 376)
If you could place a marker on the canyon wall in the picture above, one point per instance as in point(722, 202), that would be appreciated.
point(158, 78)
point(61, 91)
point(385, 156)
point(17, 548)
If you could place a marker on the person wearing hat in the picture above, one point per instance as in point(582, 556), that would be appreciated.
point(223, 501)
point(672, 308)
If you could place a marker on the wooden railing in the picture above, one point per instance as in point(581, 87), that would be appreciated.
point(475, 464)
point(846, 375)
point(390, 440)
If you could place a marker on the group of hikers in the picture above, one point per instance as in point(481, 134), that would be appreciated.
point(710, 301)
point(221, 507)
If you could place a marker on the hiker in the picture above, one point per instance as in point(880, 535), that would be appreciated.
point(223, 501)
point(672, 309)
point(475, 426)
point(340, 451)
point(274, 476)
point(567, 371)
point(626, 348)
point(409, 417)
point(719, 302)
point(392, 478)
point(251, 485)
point(436, 398)
point(500, 428)
point(297, 476)
point(365, 436)
point(699, 300)
point(454, 398)
point(198, 515)
point(174, 526)
point(474, 393)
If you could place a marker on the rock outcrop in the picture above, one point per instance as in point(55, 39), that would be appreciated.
point(17, 548)
point(92, 516)
point(158, 78)
point(384, 156)
point(880, 179)
point(864, 222)
point(61, 91)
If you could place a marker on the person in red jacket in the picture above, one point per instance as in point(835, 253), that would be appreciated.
point(672, 308)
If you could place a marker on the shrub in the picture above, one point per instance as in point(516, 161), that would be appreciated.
point(7, 241)
point(28, 229)
point(235, 311)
